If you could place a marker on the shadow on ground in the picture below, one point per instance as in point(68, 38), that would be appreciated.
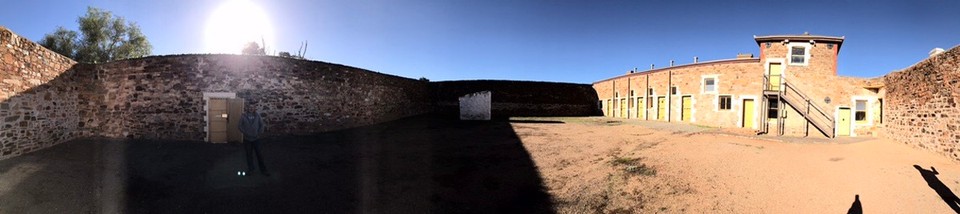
point(930, 176)
point(421, 164)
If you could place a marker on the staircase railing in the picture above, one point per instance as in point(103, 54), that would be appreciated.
point(813, 113)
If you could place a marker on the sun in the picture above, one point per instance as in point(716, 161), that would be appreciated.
point(235, 23)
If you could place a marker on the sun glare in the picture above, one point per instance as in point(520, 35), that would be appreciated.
point(235, 23)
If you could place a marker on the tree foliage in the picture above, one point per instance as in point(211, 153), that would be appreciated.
point(102, 38)
point(252, 48)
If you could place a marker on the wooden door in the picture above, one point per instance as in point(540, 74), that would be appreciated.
point(687, 110)
point(749, 114)
point(843, 122)
point(609, 108)
point(234, 113)
point(217, 120)
point(641, 106)
point(662, 108)
point(775, 74)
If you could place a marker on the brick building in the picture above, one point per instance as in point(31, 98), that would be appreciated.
point(792, 88)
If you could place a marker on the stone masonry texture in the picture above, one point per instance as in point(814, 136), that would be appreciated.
point(47, 99)
point(162, 97)
point(38, 103)
point(636, 95)
point(921, 104)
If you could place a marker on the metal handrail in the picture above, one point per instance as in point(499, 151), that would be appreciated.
point(807, 99)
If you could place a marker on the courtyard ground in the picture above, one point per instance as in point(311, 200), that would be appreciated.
point(433, 164)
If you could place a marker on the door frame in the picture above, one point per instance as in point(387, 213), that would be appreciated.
point(836, 122)
point(663, 107)
point(693, 108)
point(783, 68)
point(756, 110)
point(206, 109)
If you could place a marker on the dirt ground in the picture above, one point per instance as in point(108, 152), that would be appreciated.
point(431, 164)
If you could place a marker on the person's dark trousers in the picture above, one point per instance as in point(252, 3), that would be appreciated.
point(255, 146)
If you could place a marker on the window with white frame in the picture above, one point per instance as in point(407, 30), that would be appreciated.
point(860, 114)
point(709, 85)
point(798, 53)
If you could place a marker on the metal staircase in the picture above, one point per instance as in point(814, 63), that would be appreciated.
point(784, 92)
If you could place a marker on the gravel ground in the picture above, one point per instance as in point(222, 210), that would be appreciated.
point(429, 164)
point(591, 165)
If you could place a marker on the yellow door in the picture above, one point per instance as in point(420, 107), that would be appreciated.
point(609, 112)
point(843, 122)
point(623, 108)
point(217, 120)
point(775, 72)
point(687, 109)
point(640, 107)
point(662, 105)
point(748, 113)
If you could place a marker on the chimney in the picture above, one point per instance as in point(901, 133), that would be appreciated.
point(744, 56)
point(651, 66)
point(936, 51)
point(671, 63)
point(696, 59)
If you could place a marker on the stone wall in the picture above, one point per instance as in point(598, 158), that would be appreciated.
point(162, 97)
point(38, 97)
point(920, 106)
point(521, 98)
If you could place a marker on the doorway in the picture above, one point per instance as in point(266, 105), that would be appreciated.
point(748, 113)
point(843, 121)
point(223, 118)
point(686, 112)
point(775, 71)
point(661, 108)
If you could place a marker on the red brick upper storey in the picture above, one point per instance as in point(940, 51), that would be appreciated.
point(812, 56)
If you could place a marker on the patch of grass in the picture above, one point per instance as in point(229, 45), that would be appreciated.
point(643, 169)
point(704, 126)
point(617, 161)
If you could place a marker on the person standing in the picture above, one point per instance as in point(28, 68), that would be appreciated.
point(252, 126)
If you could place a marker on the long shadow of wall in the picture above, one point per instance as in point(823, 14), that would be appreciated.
point(422, 164)
point(520, 98)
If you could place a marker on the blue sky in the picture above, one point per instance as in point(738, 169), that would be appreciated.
point(542, 40)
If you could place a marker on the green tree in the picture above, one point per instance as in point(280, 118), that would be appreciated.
point(252, 48)
point(102, 38)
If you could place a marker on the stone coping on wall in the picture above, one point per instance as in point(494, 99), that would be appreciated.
point(241, 55)
point(704, 63)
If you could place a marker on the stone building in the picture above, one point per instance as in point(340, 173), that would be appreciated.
point(791, 88)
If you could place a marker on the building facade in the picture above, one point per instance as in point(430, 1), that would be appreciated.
point(791, 88)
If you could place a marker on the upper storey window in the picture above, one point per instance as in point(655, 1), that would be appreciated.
point(799, 53)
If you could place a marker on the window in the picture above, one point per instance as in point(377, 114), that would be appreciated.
point(650, 99)
point(725, 101)
point(861, 111)
point(773, 110)
point(709, 85)
point(799, 54)
point(631, 93)
point(673, 90)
